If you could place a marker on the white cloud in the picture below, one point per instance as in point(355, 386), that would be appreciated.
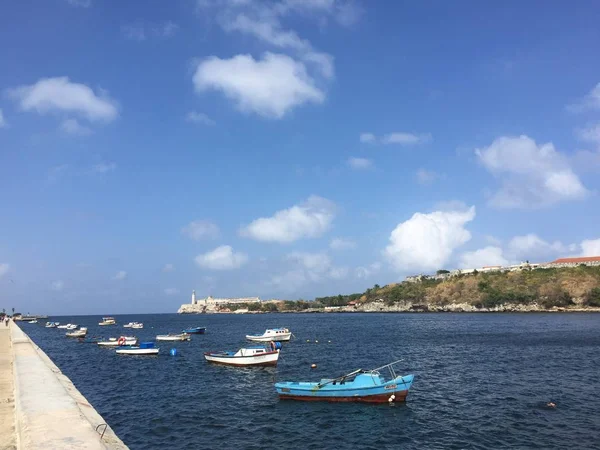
point(531, 175)
point(589, 134)
point(57, 285)
point(270, 87)
point(341, 244)
point(359, 163)
point(140, 31)
point(104, 167)
point(200, 118)
point(4, 268)
point(72, 126)
point(168, 268)
point(221, 258)
point(121, 275)
point(80, 3)
point(533, 248)
point(171, 291)
point(590, 247)
point(426, 241)
point(367, 138)
point(426, 177)
point(201, 229)
point(487, 256)
point(590, 102)
point(51, 95)
point(2, 121)
point(368, 271)
point(306, 220)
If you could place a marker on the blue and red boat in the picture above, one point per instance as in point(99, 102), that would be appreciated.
point(367, 386)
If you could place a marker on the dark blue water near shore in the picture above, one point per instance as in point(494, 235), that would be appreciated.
point(482, 381)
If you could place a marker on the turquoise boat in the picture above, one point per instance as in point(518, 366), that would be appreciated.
point(367, 386)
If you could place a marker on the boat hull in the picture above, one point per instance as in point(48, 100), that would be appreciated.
point(278, 338)
point(265, 359)
point(195, 331)
point(172, 338)
point(137, 351)
point(400, 396)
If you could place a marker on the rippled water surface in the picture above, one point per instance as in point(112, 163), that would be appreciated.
point(482, 381)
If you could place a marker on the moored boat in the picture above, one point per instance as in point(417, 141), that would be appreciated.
point(134, 325)
point(33, 321)
point(145, 348)
point(82, 332)
point(121, 341)
point(107, 321)
point(195, 330)
point(249, 356)
point(271, 334)
point(173, 337)
point(52, 324)
point(359, 386)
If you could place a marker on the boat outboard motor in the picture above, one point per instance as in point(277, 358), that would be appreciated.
point(275, 345)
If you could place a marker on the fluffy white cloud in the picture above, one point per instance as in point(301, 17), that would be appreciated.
point(104, 167)
point(426, 241)
point(201, 229)
point(221, 258)
point(171, 291)
point(57, 285)
point(4, 268)
point(487, 256)
point(2, 121)
point(368, 138)
point(50, 95)
point(531, 175)
point(368, 271)
point(121, 275)
point(398, 138)
point(589, 102)
point(426, 177)
point(72, 126)
point(590, 247)
point(306, 220)
point(168, 268)
point(200, 118)
point(341, 244)
point(591, 133)
point(359, 163)
point(271, 86)
point(533, 248)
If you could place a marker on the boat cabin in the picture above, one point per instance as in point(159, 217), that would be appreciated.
point(251, 351)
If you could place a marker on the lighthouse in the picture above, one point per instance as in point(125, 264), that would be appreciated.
point(193, 297)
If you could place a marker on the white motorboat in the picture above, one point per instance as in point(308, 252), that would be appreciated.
point(64, 327)
point(69, 326)
point(173, 337)
point(251, 356)
point(137, 325)
point(107, 321)
point(82, 332)
point(33, 321)
point(271, 334)
point(52, 324)
point(122, 341)
point(145, 348)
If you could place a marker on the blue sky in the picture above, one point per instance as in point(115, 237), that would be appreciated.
point(288, 149)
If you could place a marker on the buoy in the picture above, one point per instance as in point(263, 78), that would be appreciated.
point(173, 352)
point(308, 340)
point(313, 366)
point(316, 342)
point(329, 342)
point(390, 400)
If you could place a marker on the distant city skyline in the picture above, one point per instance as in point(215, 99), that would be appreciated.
point(288, 149)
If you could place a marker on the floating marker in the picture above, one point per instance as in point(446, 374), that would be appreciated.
point(313, 366)
point(173, 352)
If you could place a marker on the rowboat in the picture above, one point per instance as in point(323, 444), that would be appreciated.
point(194, 330)
point(358, 386)
point(173, 337)
point(107, 321)
point(122, 341)
point(77, 333)
point(145, 348)
point(134, 325)
point(249, 356)
point(271, 334)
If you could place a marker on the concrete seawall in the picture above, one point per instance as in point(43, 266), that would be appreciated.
point(49, 411)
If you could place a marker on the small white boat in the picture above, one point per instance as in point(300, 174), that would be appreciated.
point(52, 324)
point(145, 348)
point(77, 333)
point(107, 321)
point(33, 321)
point(173, 337)
point(271, 334)
point(64, 327)
point(69, 326)
point(122, 341)
point(251, 356)
point(137, 325)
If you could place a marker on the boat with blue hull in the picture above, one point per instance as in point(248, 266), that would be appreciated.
point(195, 330)
point(367, 386)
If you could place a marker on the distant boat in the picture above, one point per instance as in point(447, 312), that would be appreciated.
point(145, 348)
point(134, 325)
point(68, 326)
point(52, 324)
point(121, 341)
point(107, 321)
point(271, 334)
point(195, 330)
point(250, 356)
point(358, 386)
point(173, 337)
point(77, 333)
point(33, 321)
point(89, 340)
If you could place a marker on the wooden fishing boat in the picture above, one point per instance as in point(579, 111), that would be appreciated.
point(249, 356)
point(358, 386)
point(145, 348)
point(173, 337)
point(121, 341)
point(107, 321)
point(77, 333)
point(195, 330)
point(271, 334)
